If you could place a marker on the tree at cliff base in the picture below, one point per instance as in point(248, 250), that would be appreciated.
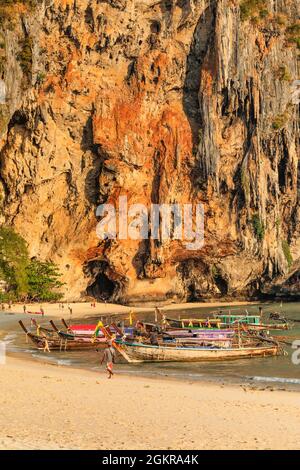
point(25, 278)
point(43, 281)
point(13, 262)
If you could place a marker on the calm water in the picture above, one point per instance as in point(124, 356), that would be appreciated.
point(277, 371)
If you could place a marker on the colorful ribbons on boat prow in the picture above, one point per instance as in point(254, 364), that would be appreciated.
point(97, 330)
point(130, 318)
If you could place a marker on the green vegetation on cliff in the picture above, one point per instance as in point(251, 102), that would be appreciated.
point(280, 121)
point(29, 3)
point(287, 252)
point(257, 12)
point(9, 10)
point(25, 55)
point(2, 54)
point(251, 9)
point(293, 34)
point(4, 118)
point(258, 227)
point(283, 73)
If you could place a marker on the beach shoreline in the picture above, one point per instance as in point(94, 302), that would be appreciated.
point(74, 403)
point(85, 309)
point(223, 381)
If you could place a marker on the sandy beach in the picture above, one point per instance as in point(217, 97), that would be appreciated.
point(84, 309)
point(46, 406)
point(51, 407)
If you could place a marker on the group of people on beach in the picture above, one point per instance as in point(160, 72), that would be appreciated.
point(9, 306)
point(61, 306)
point(40, 312)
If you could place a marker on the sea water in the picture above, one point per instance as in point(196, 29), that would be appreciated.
point(276, 371)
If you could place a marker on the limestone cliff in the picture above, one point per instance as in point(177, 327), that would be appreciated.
point(163, 101)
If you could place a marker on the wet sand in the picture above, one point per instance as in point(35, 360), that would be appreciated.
point(52, 407)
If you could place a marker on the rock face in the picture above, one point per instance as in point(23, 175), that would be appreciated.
point(162, 101)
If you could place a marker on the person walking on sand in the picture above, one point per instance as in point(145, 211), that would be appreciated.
point(109, 358)
point(24, 308)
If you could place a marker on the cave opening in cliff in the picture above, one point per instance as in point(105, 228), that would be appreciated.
point(102, 288)
point(193, 293)
point(221, 284)
point(19, 118)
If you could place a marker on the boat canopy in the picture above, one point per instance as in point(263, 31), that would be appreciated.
point(246, 319)
point(196, 323)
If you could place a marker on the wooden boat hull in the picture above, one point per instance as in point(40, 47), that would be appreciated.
point(263, 327)
point(64, 345)
point(47, 343)
point(148, 353)
point(80, 339)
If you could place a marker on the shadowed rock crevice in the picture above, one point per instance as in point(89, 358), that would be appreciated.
point(203, 35)
point(95, 156)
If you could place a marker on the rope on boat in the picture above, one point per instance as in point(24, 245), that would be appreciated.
point(46, 347)
point(270, 340)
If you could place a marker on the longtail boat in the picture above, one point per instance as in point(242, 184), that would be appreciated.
point(46, 342)
point(252, 322)
point(139, 352)
point(224, 321)
point(70, 336)
point(88, 330)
